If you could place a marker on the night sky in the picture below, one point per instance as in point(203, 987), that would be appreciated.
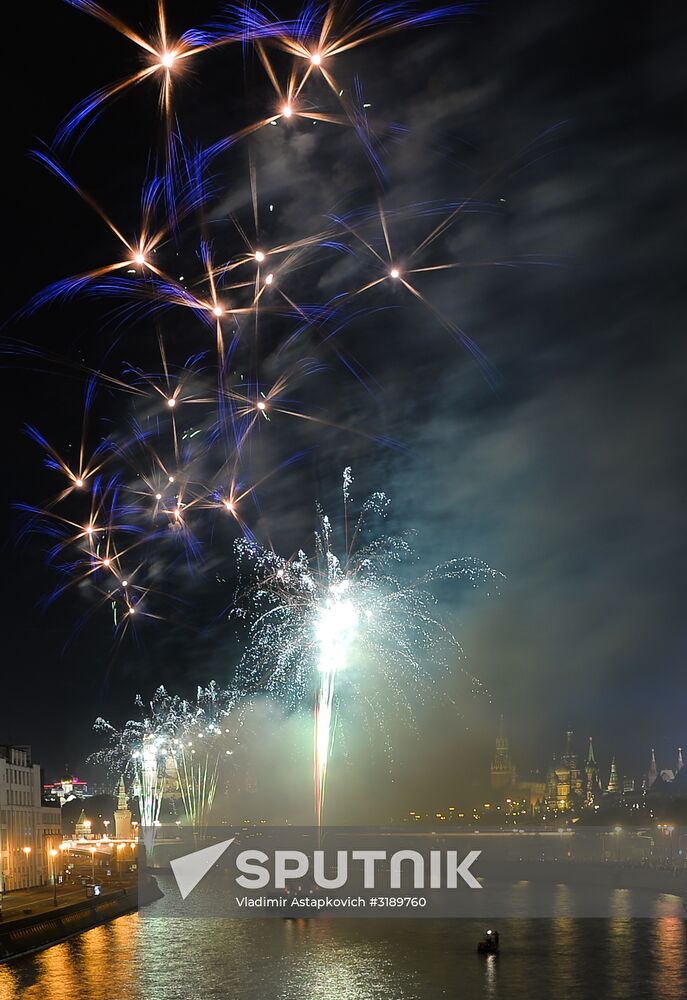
point(564, 469)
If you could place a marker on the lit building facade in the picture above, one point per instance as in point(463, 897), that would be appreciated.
point(565, 785)
point(28, 828)
point(65, 790)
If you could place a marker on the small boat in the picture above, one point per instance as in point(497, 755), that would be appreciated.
point(489, 945)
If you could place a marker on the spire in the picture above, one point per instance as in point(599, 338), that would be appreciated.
point(121, 793)
point(592, 775)
point(680, 763)
point(502, 769)
point(569, 758)
point(501, 741)
point(613, 780)
point(653, 770)
point(83, 827)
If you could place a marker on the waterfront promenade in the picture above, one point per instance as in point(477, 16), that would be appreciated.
point(21, 903)
point(32, 920)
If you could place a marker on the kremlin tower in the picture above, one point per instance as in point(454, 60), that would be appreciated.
point(502, 768)
point(653, 771)
point(613, 780)
point(591, 769)
point(122, 816)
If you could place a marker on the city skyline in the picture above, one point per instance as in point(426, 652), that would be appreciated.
point(495, 777)
point(652, 771)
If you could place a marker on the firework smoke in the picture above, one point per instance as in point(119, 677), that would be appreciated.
point(315, 620)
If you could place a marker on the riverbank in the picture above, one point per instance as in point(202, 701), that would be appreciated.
point(26, 929)
point(609, 875)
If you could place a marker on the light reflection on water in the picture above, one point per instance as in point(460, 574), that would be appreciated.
point(323, 959)
point(669, 947)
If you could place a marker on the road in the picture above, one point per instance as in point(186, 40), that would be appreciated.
point(40, 898)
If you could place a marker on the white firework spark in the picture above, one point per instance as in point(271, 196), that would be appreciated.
point(188, 735)
point(314, 619)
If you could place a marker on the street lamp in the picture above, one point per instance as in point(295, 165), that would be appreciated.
point(53, 855)
point(27, 851)
point(92, 851)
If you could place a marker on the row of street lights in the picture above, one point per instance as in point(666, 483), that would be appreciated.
point(53, 853)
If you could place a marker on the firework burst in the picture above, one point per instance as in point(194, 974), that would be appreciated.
point(317, 622)
point(198, 748)
point(175, 744)
point(138, 751)
point(184, 451)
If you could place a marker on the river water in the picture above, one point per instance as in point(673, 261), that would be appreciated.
point(139, 958)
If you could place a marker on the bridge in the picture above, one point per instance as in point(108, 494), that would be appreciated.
point(103, 849)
